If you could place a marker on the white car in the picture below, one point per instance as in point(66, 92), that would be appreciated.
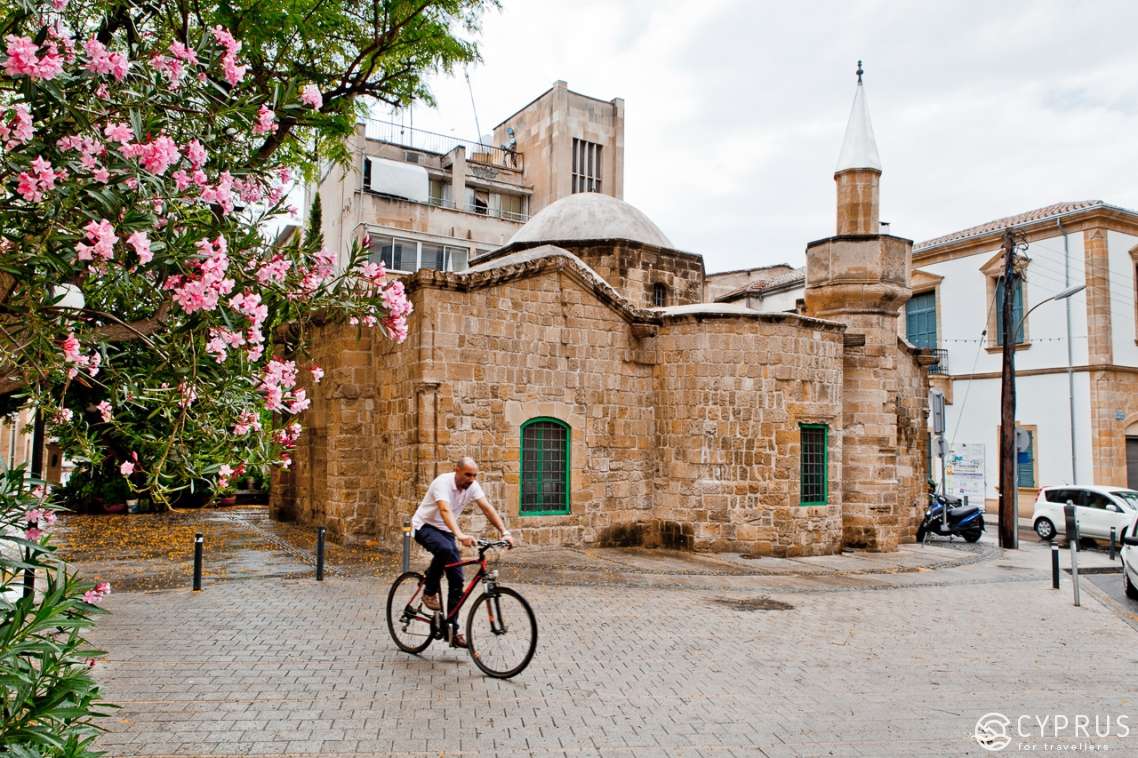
point(1129, 555)
point(1097, 509)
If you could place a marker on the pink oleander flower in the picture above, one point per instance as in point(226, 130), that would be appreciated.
point(102, 234)
point(317, 374)
point(233, 72)
point(33, 515)
point(127, 468)
point(245, 421)
point(299, 403)
point(62, 416)
point(22, 60)
point(101, 175)
point(59, 4)
point(32, 533)
point(265, 120)
point(71, 349)
point(286, 460)
point(274, 271)
point(18, 128)
point(118, 131)
point(155, 156)
point(102, 61)
point(195, 154)
point(91, 597)
point(171, 68)
point(103, 588)
point(105, 410)
point(311, 96)
point(183, 53)
point(141, 244)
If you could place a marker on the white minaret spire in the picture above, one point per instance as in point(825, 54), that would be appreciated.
point(859, 148)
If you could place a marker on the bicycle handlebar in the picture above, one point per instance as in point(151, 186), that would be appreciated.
point(484, 545)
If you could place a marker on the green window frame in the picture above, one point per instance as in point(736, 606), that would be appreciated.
point(920, 319)
point(543, 483)
point(1017, 311)
point(814, 471)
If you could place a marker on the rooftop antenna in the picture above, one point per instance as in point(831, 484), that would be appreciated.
point(473, 107)
point(860, 71)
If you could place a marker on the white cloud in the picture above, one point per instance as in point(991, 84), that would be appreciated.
point(735, 110)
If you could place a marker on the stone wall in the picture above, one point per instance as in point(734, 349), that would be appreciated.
point(719, 284)
point(634, 269)
point(731, 393)
point(1114, 394)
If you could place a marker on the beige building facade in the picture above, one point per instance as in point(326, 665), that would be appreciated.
point(609, 402)
point(429, 200)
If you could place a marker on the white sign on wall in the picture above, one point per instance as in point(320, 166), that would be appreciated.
point(964, 472)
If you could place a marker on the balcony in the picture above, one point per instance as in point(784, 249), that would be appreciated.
point(477, 153)
point(940, 368)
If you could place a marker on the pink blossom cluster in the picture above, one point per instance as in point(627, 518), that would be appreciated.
point(187, 394)
point(373, 273)
point(275, 270)
point(102, 61)
point(265, 120)
point(247, 420)
point(311, 96)
point(220, 193)
point(106, 410)
point(33, 185)
point(155, 156)
point(277, 383)
point(102, 236)
point(129, 467)
point(89, 149)
point(62, 416)
point(287, 436)
point(225, 471)
point(233, 73)
point(317, 374)
point(95, 596)
point(141, 244)
point(39, 520)
point(23, 61)
point(195, 154)
point(221, 341)
point(321, 269)
point(171, 68)
point(398, 309)
point(17, 129)
point(202, 290)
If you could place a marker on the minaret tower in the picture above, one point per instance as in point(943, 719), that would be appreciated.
point(860, 277)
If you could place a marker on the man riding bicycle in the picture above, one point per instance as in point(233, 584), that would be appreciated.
point(436, 529)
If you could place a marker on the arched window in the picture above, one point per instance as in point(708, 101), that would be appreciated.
point(545, 468)
point(659, 295)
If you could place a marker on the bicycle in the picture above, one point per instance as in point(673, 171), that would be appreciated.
point(501, 630)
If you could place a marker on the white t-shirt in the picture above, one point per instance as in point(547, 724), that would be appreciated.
point(443, 488)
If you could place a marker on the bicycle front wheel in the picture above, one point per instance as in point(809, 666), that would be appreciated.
point(408, 622)
point(501, 632)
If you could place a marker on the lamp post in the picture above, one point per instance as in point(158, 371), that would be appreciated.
point(1009, 479)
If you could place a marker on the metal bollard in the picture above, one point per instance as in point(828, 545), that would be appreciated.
point(320, 554)
point(1054, 565)
point(199, 544)
point(406, 545)
point(1113, 542)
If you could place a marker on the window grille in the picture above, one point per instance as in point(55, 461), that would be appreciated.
point(813, 480)
point(586, 166)
point(659, 295)
point(544, 468)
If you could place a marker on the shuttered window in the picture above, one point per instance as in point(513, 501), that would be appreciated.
point(1017, 311)
point(544, 468)
point(920, 319)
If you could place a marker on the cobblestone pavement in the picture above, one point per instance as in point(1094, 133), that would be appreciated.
point(890, 664)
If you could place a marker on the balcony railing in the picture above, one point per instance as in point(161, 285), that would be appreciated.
point(941, 366)
point(477, 153)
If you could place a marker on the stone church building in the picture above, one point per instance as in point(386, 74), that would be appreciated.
point(609, 400)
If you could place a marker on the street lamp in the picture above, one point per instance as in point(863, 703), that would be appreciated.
point(1009, 532)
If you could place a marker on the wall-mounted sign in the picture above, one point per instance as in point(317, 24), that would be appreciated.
point(964, 472)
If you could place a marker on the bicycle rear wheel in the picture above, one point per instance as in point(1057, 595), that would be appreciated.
point(408, 622)
point(501, 632)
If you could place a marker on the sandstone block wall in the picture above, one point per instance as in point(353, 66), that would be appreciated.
point(730, 396)
point(634, 270)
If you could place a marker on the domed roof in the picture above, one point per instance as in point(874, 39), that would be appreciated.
point(590, 216)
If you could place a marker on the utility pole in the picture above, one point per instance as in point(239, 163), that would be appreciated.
point(1009, 522)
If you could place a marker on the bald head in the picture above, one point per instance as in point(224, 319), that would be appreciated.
point(465, 472)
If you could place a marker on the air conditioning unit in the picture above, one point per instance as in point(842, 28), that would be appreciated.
point(388, 177)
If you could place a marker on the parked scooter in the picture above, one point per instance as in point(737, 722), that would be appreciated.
point(963, 521)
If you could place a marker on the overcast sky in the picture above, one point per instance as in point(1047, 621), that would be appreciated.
point(736, 110)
